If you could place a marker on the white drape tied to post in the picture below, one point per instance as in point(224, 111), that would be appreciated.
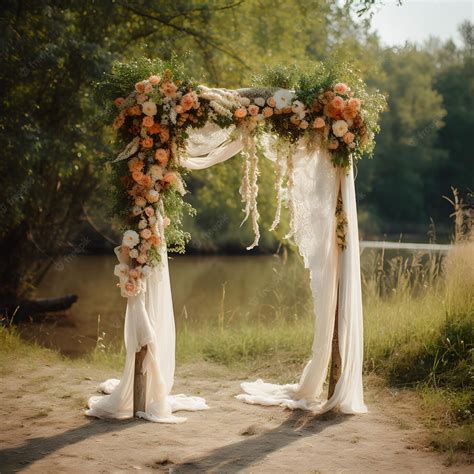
point(149, 318)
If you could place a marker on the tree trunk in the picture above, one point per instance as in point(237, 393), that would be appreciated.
point(139, 382)
point(335, 372)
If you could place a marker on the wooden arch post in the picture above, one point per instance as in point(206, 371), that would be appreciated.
point(336, 362)
point(139, 382)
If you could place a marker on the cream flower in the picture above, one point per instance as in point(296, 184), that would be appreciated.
point(156, 172)
point(260, 101)
point(130, 238)
point(149, 108)
point(134, 253)
point(142, 224)
point(146, 271)
point(298, 108)
point(152, 196)
point(283, 98)
point(339, 128)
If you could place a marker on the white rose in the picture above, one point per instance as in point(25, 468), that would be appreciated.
point(260, 101)
point(156, 171)
point(152, 196)
point(339, 128)
point(121, 270)
point(133, 253)
point(146, 270)
point(149, 108)
point(245, 101)
point(130, 238)
point(283, 98)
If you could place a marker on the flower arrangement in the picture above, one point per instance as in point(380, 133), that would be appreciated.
point(153, 119)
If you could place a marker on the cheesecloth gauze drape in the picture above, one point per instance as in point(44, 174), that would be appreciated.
point(149, 317)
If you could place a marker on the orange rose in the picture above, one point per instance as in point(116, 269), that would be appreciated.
point(162, 156)
point(271, 102)
point(164, 135)
point(147, 142)
point(267, 112)
point(119, 101)
point(140, 86)
point(137, 176)
point(155, 240)
point(349, 114)
point(148, 121)
point(134, 110)
point(135, 164)
point(241, 112)
point(118, 122)
point(154, 129)
point(179, 109)
point(146, 181)
point(168, 89)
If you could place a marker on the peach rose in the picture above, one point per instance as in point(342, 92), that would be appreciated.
point(349, 114)
point(152, 196)
point(135, 164)
point(147, 142)
point(188, 100)
point(130, 286)
point(253, 110)
point(133, 273)
point(341, 88)
point(267, 112)
point(319, 122)
point(141, 98)
point(119, 101)
point(140, 201)
point(149, 211)
point(168, 89)
point(240, 113)
point(148, 88)
point(333, 145)
point(354, 104)
point(166, 221)
point(140, 87)
point(145, 233)
point(304, 124)
point(162, 156)
point(154, 79)
point(337, 103)
point(142, 258)
point(348, 138)
point(169, 177)
point(148, 121)
point(271, 102)
point(179, 109)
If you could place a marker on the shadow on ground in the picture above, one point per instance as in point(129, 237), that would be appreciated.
point(234, 457)
point(34, 449)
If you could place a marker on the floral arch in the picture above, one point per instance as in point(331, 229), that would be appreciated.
point(313, 132)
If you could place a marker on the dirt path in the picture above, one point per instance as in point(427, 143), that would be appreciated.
point(43, 430)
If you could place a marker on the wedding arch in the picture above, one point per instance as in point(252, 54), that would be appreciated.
point(313, 131)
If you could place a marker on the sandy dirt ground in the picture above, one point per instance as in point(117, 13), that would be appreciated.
point(44, 430)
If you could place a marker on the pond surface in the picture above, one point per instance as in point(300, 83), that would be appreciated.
point(204, 289)
point(207, 290)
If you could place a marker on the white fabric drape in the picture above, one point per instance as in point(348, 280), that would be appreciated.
point(149, 318)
